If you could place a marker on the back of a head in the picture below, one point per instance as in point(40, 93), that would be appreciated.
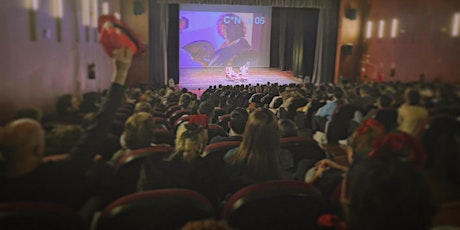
point(63, 103)
point(143, 107)
point(260, 146)
point(22, 138)
point(31, 113)
point(184, 100)
point(288, 128)
point(385, 101)
point(62, 139)
point(238, 119)
point(388, 195)
point(190, 141)
point(139, 131)
point(413, 97)
point(207, 108)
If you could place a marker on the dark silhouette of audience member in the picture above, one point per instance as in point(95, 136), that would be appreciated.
point(23, 146)
point(66, 110)
point(238, 119)
point(62, 139)
point(31, 113)
point(288, 128)
point(387, 194)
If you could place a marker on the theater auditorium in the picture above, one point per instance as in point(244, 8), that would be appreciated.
point(236, 114)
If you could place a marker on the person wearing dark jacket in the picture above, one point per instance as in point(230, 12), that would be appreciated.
point(27, 178)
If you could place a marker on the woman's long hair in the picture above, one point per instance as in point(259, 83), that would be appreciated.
point(260, 148)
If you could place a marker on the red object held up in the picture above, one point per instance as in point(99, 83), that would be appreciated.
point(115, 34)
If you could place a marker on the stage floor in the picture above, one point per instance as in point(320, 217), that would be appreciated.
point(194, 79)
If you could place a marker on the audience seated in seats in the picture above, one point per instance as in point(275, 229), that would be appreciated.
point(287, 128)
point(185, 101)
point(441, 139)
point(327, 174)
point(62, 139)
point(66, 110)
point(259, 157)
point(23, 146)
point(411, 114)
point(238, 119)
point(143, 107)
point(184, 168)
point(89, 103)
point(325, 113)
point(31, 113)
point(385, 114)
point(317, 101)
point(387, 190)
point(138, 133)
point(366, 100)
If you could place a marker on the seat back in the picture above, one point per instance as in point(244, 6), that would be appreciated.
point(157, 209)
point(302, 148)
point(215, 130)
point(177, 114)
point(162, 122)
point(164, 136)
point(129, 166)
point(217, 113)
point(179, 121)
point(38, 215)
point(274, 205)
point(223, 120)
point(169, 111)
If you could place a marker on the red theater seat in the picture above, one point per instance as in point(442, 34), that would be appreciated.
point(162, 122)
point(178, 114)
point(302, 148)
point(158, 209)
point(169, 111)
point(274, 205)
point(223, 121)
point(215, 130)
point(38, 215)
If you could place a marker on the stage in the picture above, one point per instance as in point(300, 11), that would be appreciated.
point(197, 78)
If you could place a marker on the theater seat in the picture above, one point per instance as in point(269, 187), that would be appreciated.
point(164, 136)
point(157, 209)
point(38, 215)
point(170, 110)
point(223, 121)
point(162, 122)
point(177, 114)
point(274, 205)
point(302, 148)
point(129, 166)
point(215, 130)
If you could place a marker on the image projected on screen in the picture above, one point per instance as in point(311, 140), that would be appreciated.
point(224, 35)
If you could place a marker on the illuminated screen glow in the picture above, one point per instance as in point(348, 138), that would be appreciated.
point(222, 35)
